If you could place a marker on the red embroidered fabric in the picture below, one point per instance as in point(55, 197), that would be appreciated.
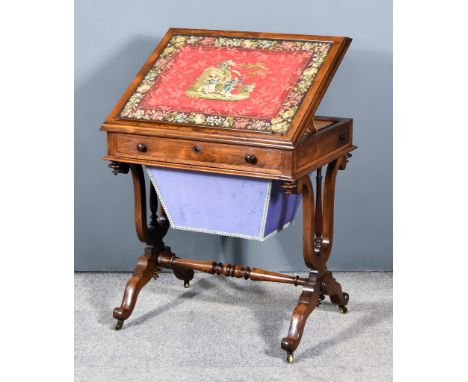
point(278, 73)
point(236, 83)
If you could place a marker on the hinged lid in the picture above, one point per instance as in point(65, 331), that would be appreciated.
point(257, 88)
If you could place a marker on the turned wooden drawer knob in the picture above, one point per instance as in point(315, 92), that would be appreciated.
point(250, 158)
point(196, 149)
point(142, 147)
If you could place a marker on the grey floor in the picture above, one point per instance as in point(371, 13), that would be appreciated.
point(223, 329)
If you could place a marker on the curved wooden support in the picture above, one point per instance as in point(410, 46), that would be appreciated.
point(318, 213)
point(329, 204)
point(155, 232)
point(304, 187)
point(152, 235)
point(317, 240)
point(139, 187)
point(333, 288)
point(307, 303)
point(145, 270)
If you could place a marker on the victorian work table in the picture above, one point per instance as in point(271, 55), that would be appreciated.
point(223, 123)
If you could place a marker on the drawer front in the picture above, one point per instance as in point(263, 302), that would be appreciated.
point(196, 153)
point(321, 144)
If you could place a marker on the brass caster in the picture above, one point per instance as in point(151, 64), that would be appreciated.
point(343, 309)
point(186, 284)
point(321, 297)
point(119, 324)
point(290, 358)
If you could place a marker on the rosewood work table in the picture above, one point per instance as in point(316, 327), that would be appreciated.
point(223, 123)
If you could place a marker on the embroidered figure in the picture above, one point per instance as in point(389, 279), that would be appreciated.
point(224, 83)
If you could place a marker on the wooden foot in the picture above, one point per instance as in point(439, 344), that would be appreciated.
point(331, 287)
point(307, 303)
point(145, 270)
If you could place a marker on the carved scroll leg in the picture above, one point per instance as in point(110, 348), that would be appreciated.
point(145, 270)
point(307, 302)
point(333, 288)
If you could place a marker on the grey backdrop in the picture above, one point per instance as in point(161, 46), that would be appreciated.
point(113, 38)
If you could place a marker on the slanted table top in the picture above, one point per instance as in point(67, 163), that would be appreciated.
point(243, 85)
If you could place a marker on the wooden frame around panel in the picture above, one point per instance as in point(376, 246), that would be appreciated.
point(303, 119)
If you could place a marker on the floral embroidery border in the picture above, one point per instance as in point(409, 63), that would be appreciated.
point(279, 124)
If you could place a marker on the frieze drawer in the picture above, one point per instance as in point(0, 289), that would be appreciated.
point(194, 152)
